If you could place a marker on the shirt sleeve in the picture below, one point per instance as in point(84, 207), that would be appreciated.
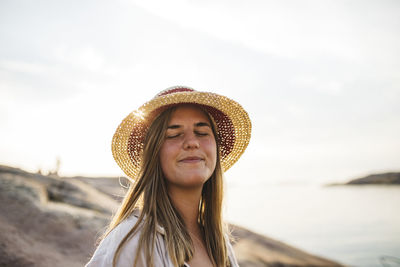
point(231, 254)
point(104, 254)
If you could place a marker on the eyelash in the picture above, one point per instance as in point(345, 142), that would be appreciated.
point(173, 136)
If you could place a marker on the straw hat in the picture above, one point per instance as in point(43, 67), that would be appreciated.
point(233, 126)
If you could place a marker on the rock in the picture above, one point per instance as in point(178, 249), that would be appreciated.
point(55, 221)
point(33, 234)
point(254, 250)
point(383, 178)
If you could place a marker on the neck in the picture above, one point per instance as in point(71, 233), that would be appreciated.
point(187, 201)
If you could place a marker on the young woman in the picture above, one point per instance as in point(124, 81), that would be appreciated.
point(175, 147)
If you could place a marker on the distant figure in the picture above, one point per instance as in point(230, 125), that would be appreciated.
point(58, 165)
point(54, 173)
point(175, 148)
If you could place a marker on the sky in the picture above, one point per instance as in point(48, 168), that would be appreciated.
point(320, 80)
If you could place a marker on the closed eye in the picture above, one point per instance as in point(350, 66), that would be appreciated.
point(201, 133)
point(173, 136)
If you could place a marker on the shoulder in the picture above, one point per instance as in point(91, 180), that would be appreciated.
point(231, 253)
point(105, 252)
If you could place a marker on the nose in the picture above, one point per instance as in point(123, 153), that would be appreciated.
point(191, 141)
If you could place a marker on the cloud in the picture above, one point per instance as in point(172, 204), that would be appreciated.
point(290, 29)
point(22, 67)
point(85, 57)
point(318, 84)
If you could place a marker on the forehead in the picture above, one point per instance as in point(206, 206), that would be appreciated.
point(189, 113)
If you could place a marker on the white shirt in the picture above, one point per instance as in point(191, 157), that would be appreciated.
point(104, 254)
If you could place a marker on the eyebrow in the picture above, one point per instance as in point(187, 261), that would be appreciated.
point(199, 124)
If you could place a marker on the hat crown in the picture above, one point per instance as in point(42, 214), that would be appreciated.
point(174, 89)
point(232, 124)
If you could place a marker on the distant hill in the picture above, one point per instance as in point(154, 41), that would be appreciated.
point(383, 178)
point(55, 221)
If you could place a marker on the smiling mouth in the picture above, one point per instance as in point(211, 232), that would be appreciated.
point(191, 160)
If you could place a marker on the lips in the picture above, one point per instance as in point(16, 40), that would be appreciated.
point(191, 160)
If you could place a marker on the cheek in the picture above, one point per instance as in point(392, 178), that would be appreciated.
point(211, 150)
point(167, 155)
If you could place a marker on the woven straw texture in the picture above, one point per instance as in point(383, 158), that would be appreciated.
point(233, 126)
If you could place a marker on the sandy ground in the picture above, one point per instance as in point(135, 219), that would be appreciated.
point(55, 221)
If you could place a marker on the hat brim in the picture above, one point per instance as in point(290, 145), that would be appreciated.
point(233, 127)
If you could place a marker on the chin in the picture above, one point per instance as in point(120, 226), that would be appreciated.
point(195, 181)
point(192, 180)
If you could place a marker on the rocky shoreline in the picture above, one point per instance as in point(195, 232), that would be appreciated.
point(388, 178)
point(381, 178)
point(55, 221)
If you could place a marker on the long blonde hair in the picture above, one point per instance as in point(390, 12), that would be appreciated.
point(149, 194)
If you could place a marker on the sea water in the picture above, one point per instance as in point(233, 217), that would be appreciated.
point(353, 225)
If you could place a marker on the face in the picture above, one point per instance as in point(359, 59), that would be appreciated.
point(188, 154)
